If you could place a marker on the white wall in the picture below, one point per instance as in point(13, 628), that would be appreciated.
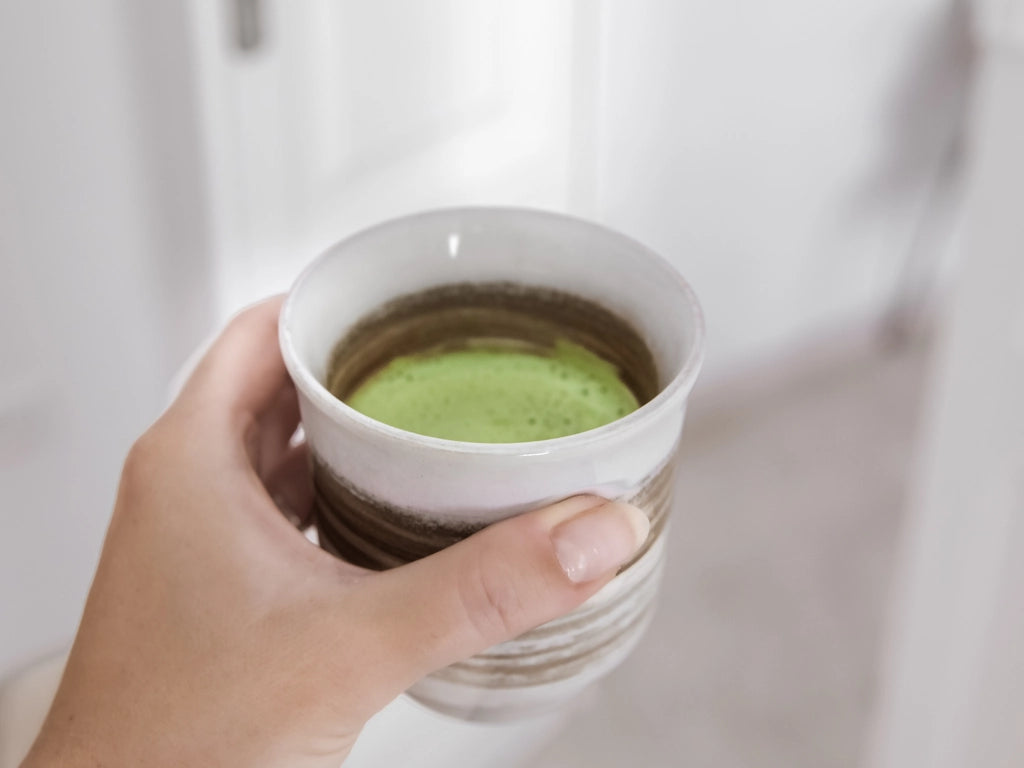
point(780, 153)
point(952, 692)
point(98, 212)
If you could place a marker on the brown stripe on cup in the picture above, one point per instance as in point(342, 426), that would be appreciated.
point(373, 534)
point(376, 535)
point(585, 642)
point(452, 316)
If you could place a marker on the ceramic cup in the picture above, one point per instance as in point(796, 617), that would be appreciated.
point(385, 495)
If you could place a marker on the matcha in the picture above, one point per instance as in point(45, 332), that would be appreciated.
point(496, 391)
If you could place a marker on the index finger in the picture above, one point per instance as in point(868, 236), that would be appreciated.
point(242, 374)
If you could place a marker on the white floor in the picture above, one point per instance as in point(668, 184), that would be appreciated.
point(789, 507)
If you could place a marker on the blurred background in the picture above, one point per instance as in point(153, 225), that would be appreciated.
point(842, 183)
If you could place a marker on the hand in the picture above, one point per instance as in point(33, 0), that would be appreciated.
point(215, 634)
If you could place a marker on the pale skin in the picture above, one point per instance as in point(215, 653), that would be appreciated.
point(216, 634)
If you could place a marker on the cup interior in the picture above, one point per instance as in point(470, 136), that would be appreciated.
point(487, 245)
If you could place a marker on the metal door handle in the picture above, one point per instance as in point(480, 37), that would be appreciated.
point(248, 24)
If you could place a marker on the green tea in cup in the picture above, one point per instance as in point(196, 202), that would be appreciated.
point(492, 363)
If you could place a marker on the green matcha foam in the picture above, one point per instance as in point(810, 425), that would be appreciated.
point(490, 392)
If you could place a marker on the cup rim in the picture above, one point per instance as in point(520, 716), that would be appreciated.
point(679, 386)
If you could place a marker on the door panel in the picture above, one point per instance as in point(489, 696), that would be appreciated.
point(348, 112)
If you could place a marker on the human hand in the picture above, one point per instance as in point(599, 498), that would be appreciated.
point(215, 634)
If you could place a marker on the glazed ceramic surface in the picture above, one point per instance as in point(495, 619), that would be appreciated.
point(386, 495)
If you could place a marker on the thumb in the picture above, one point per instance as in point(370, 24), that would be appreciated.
point(497, 584)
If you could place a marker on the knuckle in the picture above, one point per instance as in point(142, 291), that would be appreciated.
point(259, 315)
point(147, 459)
point(240, 320)
point(143, 455)
point(138, 476)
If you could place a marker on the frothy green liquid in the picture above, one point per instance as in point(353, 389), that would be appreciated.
point(494, 392)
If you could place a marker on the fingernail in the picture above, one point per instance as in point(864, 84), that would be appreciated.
point(599, 540)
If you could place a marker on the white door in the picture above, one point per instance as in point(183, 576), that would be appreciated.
point(324, 116)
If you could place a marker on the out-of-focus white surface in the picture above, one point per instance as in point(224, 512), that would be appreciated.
point(999, 23)
point(779, 153)
point(102, 286)
point(24, 701)
point(953, 689)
